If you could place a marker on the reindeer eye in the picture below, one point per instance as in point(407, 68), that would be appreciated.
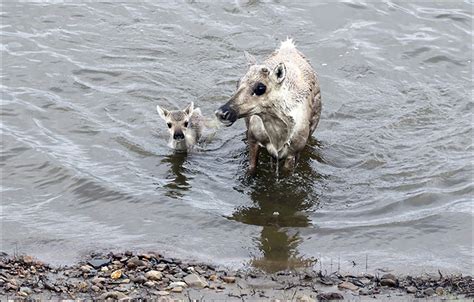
point(186, 124)
point(260, 89)
point(169, 125)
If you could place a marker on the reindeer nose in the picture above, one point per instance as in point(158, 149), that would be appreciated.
point(178, 135)
point(226, 115)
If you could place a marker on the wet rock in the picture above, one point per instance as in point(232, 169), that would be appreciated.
point(429, 291)
point(193, 280)
point(330, 296)
point(228, 279)
point(348, 285)
point(177, 289)
point(388, 282)
point(116, 295)
point(98, 262)
point(134, 262)
point(411, 289)
point(154, 275)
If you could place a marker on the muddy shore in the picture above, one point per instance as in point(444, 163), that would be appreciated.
point(128, 275)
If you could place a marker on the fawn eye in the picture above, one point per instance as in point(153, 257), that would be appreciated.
point(186, 124)
point(259, 89)
point(169, 125)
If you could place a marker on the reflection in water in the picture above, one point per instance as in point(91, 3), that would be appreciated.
point(280, 206)
point(177, 181)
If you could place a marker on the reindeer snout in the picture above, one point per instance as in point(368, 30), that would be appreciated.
point(226, 115)
point(178, 135)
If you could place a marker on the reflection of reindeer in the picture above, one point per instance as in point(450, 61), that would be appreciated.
point(279, 205)
point(177, 186)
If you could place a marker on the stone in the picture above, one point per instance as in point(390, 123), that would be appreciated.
point(439, 291)
point(149, 284)
point(154, 275)
point(388, 282)
point(98, 262)
point(411, 289)
point(365, 292)
point(178, 283)
point(228, 279)
point(28, 259)
point(26, 290)
point(116, 274)
point(177, 289)
point(365, 281)
point(134, 262)
point(116, 295)
point(429, 291)
point(389, 276)
point(139, 279)
point(304, 298)
point(86, 268)
point(10, 286)
point(330, 296)
point(212, 278)
point(162, 293)
point(193, 280)
point(98, 280)
point(161, 266)
point(95, 288)
point(348, 285)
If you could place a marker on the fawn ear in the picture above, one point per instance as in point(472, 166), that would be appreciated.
point(162, 112)
point(189, 109)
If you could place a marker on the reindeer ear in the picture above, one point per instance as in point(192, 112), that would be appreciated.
point(162, 112)
point(250, 59)
point(189, 109)
point(279, 73)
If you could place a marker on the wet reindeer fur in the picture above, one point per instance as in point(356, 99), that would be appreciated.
point(185, 126)
point(280, 100)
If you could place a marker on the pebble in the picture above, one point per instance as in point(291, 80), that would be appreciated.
point(86, 268)
point(154, 275)
point(411, 289)
point(177, 289)
point(439, 291)
point(139, 279)
point(388, 282)
point(228, 279)
point(389, 276)
point(161, 266)
point(193, 280)
point(178, 283)
point(98, 262)
point(116, 274)
point(11, 286)
point(134, 262)
point(98, 280)
point(212, 278)
point(304, 298)
point(365, 292)
point(330, 296)
point(26, 290)
point(162, 293)
point(348, 285)
point(149, 283)
point(95, 288)
point(112, 295)
point(429, 291)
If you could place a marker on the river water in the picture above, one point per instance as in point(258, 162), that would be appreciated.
point(385, 183)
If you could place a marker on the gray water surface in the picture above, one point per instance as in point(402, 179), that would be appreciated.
point(386, 180)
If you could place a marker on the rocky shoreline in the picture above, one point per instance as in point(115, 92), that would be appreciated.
point(128, 275)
